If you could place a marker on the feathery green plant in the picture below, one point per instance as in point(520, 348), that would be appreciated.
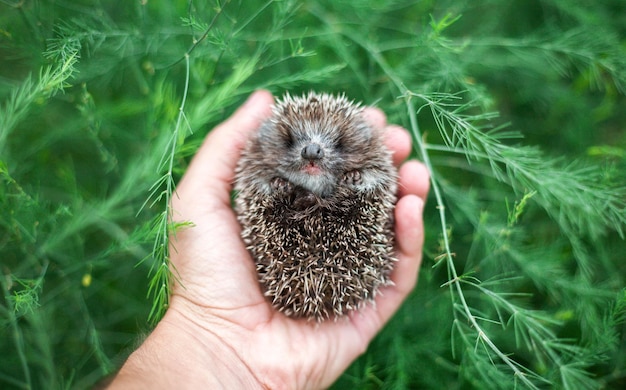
point(517, 109)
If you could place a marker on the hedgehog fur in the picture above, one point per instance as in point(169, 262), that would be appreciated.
point(315, 198)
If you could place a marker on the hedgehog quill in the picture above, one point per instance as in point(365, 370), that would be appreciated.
point(315, 198)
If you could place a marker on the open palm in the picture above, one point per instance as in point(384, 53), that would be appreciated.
point(218, 302)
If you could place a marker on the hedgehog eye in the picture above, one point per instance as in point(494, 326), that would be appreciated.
point(288, 139)
point(340, 144)
point(284, 135)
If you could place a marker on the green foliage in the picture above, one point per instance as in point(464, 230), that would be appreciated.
point(517, 108)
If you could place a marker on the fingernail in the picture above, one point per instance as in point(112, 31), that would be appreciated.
point(253, 98)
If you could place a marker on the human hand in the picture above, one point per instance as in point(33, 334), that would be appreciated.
point(220, 329)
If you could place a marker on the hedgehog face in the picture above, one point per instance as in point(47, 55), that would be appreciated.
point(313, 141)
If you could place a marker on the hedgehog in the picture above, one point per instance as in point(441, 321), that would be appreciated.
point(315, 195)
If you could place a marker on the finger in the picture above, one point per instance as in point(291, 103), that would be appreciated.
point(409, 235)
point(410, 240)
point(413, 179)
point(375, 117)
point(212, 168)
point(409, 243)
point(398, 141)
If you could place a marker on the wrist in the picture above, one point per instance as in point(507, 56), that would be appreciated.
point(181, 354)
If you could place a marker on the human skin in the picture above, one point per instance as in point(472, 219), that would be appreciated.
point(220, 331)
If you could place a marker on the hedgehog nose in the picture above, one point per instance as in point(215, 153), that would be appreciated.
point(312, 152)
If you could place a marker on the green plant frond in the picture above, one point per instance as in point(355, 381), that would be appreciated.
point(440, 25)
point(518, 208)
point(51, 80)
point(25, 296)
point(576, 196)
point(574, 376)
point(515, 108)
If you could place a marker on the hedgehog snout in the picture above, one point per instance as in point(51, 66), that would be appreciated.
point(312, 151)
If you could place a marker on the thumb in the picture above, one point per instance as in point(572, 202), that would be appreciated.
point(212, 168)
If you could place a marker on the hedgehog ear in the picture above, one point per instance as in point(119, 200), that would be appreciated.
point(265, 131)
point(368, 131)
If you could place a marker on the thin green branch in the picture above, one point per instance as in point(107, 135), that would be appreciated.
point(161, 282)
point(455, 282)
point(196, 42)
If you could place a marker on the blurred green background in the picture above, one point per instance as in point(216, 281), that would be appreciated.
point(518, 108)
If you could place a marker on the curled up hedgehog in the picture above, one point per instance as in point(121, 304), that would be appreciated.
point(315, 198)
